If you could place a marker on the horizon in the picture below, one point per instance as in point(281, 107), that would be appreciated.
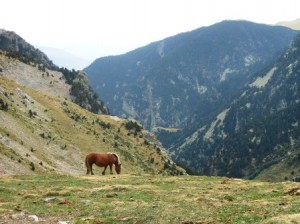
point(93, 29)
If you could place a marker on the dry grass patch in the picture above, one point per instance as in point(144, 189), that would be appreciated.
point(284, 219)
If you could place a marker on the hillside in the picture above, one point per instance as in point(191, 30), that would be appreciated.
point(49, 81)
point(26, 59)
point(257, 134)
point(147, 199)
point(181, 80)
point(16, 46)
point(44, 133)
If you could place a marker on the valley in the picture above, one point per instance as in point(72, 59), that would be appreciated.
point(231, 95)
point(205, 122)
point(217, 100)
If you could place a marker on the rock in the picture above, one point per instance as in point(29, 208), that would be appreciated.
point(33, 218)
point(64, 202)
point(18, 216)
point(49, 199)
point(112, 195)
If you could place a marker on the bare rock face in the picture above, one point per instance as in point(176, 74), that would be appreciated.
point(48, 81)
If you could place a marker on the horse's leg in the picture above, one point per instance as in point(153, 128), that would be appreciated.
point(87, 170)
point(103, 173)
point(92, 169)
point(110, 166)
point(88, 167)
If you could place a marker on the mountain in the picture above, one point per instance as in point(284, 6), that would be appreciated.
point(65, 59)
point(258, 133)
point(16, 46)
point(180, 80)
point(28, 58)
point(294, 24)
point(43, 131)
point(187, 89)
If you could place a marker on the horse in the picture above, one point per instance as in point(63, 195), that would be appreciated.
point(102, 160)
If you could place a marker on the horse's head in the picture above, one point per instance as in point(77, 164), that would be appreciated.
point(118, 168)
point(117, 163)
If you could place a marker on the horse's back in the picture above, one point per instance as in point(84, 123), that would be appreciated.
point(100, 159)
point(91, 156)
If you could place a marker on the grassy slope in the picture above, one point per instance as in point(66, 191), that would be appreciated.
point(287, 169)
point(147, 199)
point(60, 134)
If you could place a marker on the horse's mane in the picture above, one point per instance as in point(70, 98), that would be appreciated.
point(117, 157)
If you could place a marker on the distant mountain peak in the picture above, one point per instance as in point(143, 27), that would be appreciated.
point(182, 72)
point(294, 24)
point(65, 59)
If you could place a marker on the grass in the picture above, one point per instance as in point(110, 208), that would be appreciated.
point(148, 199)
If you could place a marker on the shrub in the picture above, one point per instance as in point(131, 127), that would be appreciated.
point(32, 167)
point(104, 125)
point(133, 125)
point(3, 105)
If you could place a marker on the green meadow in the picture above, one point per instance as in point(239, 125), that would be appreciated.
point(146, 199)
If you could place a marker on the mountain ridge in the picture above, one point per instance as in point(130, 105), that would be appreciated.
point(14, 46)
point(294, 24)
point(131, 85)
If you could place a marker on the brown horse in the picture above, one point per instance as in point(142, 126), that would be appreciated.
point(102, 160)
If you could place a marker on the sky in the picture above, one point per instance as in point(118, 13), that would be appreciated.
point(95, 28)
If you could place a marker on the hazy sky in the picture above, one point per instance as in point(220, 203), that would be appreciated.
point(95, 28)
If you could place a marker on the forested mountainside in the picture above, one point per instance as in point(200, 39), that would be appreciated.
point(257, 132)
point(14, 46)
point(180, 80)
